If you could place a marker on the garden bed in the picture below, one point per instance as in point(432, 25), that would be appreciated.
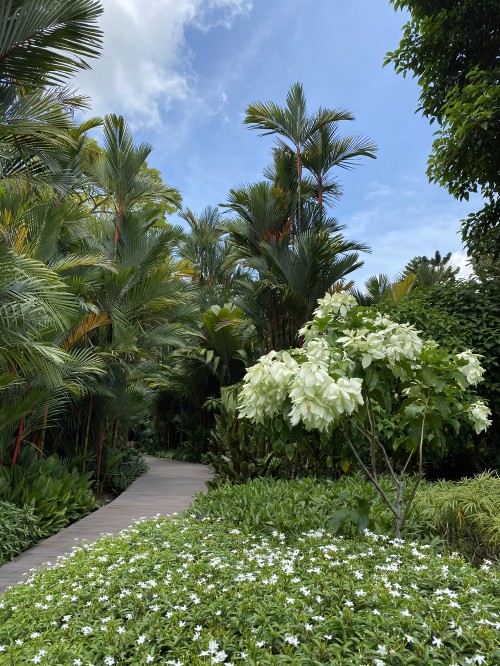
point(190, 590)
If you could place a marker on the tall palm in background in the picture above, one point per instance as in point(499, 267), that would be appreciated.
point(325, 150)
point(293, 124)
point(420, 272)
point(205, 257)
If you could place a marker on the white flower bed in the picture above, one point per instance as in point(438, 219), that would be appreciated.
point(186, 592)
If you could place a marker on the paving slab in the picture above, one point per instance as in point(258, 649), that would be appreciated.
point(167, 487)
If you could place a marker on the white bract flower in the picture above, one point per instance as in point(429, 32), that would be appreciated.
point(391, 341)
point(369, 345)
point(266, 386)
point(338, 303)
point(479, 414)
point(318, 350)
point(318, 400)
point(472, 370)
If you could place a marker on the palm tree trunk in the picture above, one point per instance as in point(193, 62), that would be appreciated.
point(299, 191)
point(86, 440)
point(320, 197)
point(275, 324)
point(17, 446)
point(44, 426)
point(115, 434)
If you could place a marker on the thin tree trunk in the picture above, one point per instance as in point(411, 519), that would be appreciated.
point(299, 188)
point(44, 426)
point(115, 434)
point(275, 326)
point(99, 453)
point(320, 197)
point(17, 446)
point(86, 440)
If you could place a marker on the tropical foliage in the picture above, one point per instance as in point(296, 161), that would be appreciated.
point(122, 332)
point(452, 49)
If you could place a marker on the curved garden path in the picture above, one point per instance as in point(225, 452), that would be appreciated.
point(167, 487)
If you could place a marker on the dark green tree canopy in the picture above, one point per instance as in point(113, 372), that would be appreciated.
point(453, 48)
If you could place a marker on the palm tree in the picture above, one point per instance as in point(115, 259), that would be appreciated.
point(431, 271)
point(294, 124)
point(380, 288)
point(262, 213)
point(326, 149)
point(205, 254)
point(41, 45)
point(118, 171)
point(299, 273)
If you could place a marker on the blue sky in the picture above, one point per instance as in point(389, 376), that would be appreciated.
point(182, 72)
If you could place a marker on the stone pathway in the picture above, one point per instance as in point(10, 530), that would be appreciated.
point(167, 487)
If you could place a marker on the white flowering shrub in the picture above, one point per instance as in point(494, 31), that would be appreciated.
point(366, 375)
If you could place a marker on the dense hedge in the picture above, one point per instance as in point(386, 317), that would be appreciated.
point(462, 315)
point(462, 516)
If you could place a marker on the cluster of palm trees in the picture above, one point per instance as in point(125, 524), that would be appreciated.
point(111, 317)
point(89, 296)
point(421, 271)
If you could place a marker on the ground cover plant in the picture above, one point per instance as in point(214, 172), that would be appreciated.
point(188, 591)
point(18, 530)
point(454, 516)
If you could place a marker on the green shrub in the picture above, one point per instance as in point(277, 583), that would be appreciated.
point(462, 315)
point(58, 496)
point(465, 514)
point(240, 450)
point(18, 530)
point(191, 592)
point(290, 507)
point(123, 469)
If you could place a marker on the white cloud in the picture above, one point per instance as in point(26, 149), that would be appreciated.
point(461, 260)
point(146, 65)
point(378, 190)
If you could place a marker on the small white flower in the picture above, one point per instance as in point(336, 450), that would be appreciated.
point(292, 640)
